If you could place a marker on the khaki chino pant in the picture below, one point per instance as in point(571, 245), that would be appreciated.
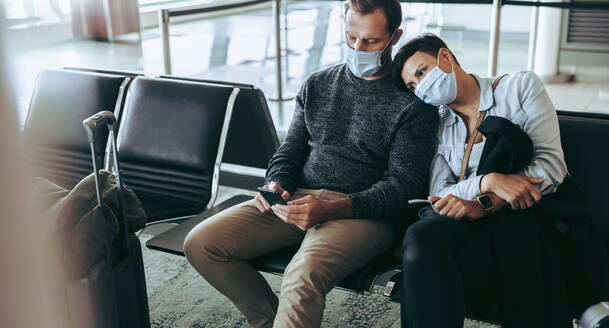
point(219, 247)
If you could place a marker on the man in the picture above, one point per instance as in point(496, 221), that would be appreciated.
point(356, 151)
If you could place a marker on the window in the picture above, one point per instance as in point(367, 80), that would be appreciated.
point(36, 11)
point(19, 9)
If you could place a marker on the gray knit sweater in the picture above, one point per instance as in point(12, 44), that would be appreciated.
point(366, 139)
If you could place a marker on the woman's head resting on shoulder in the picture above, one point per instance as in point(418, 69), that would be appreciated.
point(428, 68)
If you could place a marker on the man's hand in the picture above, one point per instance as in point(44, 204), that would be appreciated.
point(456, 208)
point(305, 212)
point(517, 190)
point(262, 205)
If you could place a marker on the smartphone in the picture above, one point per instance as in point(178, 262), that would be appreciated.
point(271, 196)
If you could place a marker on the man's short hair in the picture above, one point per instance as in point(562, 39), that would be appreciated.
point(391, 8)
point(428, 43)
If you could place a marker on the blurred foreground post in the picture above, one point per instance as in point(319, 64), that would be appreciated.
point(33, 294)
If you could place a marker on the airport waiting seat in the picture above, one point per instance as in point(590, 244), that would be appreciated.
point(58, 150)
point(130, 74)
point(583, 135)
point(252, 139)
point(251, 142)
point(57, 147)
point(127, 74)
point(171, 140)
point(584, 140)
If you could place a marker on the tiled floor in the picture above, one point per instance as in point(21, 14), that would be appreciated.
point(240, 48)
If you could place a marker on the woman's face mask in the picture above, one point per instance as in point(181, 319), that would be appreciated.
point(365, 63)
point(437, 87)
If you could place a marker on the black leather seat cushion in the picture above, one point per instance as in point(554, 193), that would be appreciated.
point(251, 139)
point(159, 206)
point(58, 148)
point(168, 142)
point(584, 137)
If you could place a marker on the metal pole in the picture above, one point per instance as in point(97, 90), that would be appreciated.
point(96, 173)
point(276, 15)
point(108, 17)
point(493, 47)
point(285, 41)
point(164, 31)
point(533, 39)
point(280, 96)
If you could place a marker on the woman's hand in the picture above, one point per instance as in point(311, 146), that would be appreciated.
point(456, 208)
point(517, 190)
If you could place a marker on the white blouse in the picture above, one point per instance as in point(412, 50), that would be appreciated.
point(521, 98)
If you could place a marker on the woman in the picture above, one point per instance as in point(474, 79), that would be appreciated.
point(481, 239)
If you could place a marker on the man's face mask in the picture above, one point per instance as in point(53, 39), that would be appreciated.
point(437, 87)
point(365, 63)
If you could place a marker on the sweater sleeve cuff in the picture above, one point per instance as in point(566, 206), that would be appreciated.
point(358, 205)
point(287, 185)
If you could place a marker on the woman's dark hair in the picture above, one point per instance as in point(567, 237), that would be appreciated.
point(428, 43)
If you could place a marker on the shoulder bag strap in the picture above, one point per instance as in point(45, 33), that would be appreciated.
point(474, 136)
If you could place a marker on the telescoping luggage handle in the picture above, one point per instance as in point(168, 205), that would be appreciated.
point(91, 124)
point(103, 118)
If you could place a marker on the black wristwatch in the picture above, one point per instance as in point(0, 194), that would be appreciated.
point(486, 203)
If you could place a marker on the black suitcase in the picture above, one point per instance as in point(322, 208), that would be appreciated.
point(130, 287)
point(113, 292)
